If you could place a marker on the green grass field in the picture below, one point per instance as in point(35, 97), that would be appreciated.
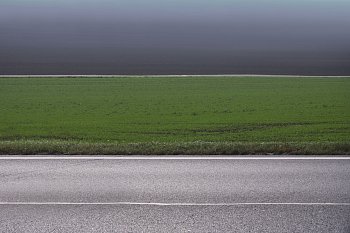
point(173, 115)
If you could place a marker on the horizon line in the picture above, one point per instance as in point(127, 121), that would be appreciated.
point(167, 75)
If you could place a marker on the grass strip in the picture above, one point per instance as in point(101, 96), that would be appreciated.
point(59, 147)
point(181, 109)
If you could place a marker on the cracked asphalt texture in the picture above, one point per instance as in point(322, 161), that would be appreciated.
point(175, 181)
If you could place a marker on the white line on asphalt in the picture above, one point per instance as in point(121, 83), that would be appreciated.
point(176, 204)
point(166, 158)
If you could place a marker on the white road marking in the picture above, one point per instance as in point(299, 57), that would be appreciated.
point(178, 204)
point(164, 158)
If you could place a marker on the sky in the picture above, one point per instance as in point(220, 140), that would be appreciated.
point(309, 37)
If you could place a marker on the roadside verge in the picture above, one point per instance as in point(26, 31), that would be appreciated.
point(59, 147)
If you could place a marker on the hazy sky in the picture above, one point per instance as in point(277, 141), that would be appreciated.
point(174, 36)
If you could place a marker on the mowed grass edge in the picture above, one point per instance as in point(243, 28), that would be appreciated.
point(58, 147)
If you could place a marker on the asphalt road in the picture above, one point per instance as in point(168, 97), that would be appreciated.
point(174, 195)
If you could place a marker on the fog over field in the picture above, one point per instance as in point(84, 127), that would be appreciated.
point(310, 37)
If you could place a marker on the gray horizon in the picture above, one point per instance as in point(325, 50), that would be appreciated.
point(175, 37)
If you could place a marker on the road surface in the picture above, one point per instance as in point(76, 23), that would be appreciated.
point(174, 194)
